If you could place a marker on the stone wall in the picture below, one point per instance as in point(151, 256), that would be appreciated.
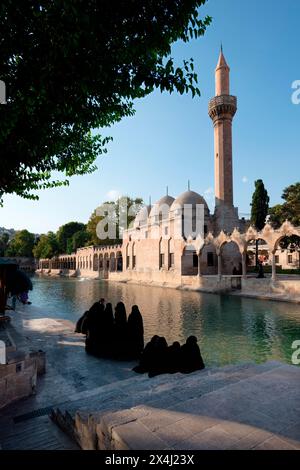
point(164, 278)
point(18, 377)
point(286, 286)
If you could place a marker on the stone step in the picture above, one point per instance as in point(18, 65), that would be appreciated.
point(141, 383)
point(77, 416)
point(36, 434)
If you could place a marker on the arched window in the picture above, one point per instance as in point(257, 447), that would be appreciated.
point(133, 256)
point(127, 257)
point(171, 253)
point(161, 255)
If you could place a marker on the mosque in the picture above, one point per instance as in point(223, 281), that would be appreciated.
point(157, 241)
point(160, 248)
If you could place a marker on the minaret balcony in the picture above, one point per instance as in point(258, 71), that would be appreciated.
point(222, 106)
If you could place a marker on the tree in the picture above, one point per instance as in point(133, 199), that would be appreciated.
point(21, 245)
point(79, 239)
point(47, 246)
point(259, 209)
point(65, 234)
point(120, 212)
point(289, 210)
point(73, 66)
point(3, 243)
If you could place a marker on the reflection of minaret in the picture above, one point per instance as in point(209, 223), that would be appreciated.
point(222, 109)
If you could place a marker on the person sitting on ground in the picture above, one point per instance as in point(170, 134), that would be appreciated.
point(106, 335)
point(81, 325)
point(94, 326)
point(159, 358)
point(120, 332)
point(146, 356)
point(191, 359)
point(135, 333)
point(80, 322)
point(173, 358)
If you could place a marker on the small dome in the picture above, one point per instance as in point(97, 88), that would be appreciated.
point(161, 204)
point(189, 197)
point(142, 216)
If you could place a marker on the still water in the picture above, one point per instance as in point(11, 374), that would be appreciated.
point(229, 329)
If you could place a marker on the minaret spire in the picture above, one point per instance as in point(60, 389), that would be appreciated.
point(222, 75)
point(222, 109)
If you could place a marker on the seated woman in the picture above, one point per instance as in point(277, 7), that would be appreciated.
point(146, 356)
point(191, 359)
point(106, 334)
point(159, 358)
point(120, 333)
point(79, 325)
point(173, 358)
point(135, 333)
point(94, 325)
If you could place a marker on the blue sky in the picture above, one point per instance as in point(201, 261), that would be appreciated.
point(170, 139)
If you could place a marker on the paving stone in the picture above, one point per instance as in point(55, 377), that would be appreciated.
point(173, 435)
point(135, 436)
point(292, 432)
point(276, 443)
point(251, 441)
point(234, 428)
point(211, 439)
point(157, 419)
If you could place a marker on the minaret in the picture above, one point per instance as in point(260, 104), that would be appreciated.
point(222, 109)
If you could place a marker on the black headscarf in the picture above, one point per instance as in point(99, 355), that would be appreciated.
point(120, 315)
point(135, 321)
point(174, 354)
point(108, 316)
point(191, 359)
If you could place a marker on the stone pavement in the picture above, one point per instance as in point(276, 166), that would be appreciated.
point(237, 407)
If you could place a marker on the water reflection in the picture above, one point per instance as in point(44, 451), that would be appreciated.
point(230, 329)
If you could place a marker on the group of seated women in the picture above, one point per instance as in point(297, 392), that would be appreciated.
point(159, 358)
point(110, 334)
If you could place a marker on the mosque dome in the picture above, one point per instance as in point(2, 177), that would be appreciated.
point(189, 197)
point(142, 216)
point(161, 204)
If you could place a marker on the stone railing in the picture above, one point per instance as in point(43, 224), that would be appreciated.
point(221, 105)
